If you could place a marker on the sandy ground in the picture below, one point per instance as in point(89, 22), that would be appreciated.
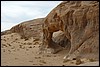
point(18, 52)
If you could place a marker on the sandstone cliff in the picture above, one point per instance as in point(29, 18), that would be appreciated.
point(79, 21)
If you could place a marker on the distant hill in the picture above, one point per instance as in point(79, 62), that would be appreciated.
point(27, 29)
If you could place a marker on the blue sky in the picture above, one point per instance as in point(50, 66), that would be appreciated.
point(15, 12)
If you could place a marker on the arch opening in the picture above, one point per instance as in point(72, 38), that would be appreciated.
point(59, 38)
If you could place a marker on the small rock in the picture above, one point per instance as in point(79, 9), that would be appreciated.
point(54, 55)
point(66, 60)
point(20, 46)
point(72, 62)
point(37, 57)
point(42, 61)
point(4, 45)
point(36, 40)
point(12, 47)
point(21, 43)
point(33, 46)
point(30, 46)
point(11, 35)
point(91, 60)
point(31, 61)
point(4, 39)
point(18, 42)
point(16, 39)
point(27, 49)
point(9, 50)
point(48, 55)
point(9, 44)
point(34, 64)
point(3, 50)
point(29, 43)
point(78, 61)
point(40, 64)
point(17, 49)
point(63, 65)
point(14, 50)
point(24, 43)
point(7, 38)
point(23, 47)
point(16, 58)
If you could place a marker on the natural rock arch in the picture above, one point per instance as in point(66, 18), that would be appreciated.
point(80, 23)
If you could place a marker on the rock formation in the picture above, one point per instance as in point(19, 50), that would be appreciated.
point(76, 24)
point(27, 29)
point(79, 21)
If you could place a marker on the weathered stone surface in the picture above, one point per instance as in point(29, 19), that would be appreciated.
point(79, 20)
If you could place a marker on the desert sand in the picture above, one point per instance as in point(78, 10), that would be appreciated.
point(18, 52)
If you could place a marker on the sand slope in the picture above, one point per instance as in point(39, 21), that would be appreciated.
point(18, 52)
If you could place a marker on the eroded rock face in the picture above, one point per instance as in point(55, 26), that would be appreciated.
point(79, 20)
